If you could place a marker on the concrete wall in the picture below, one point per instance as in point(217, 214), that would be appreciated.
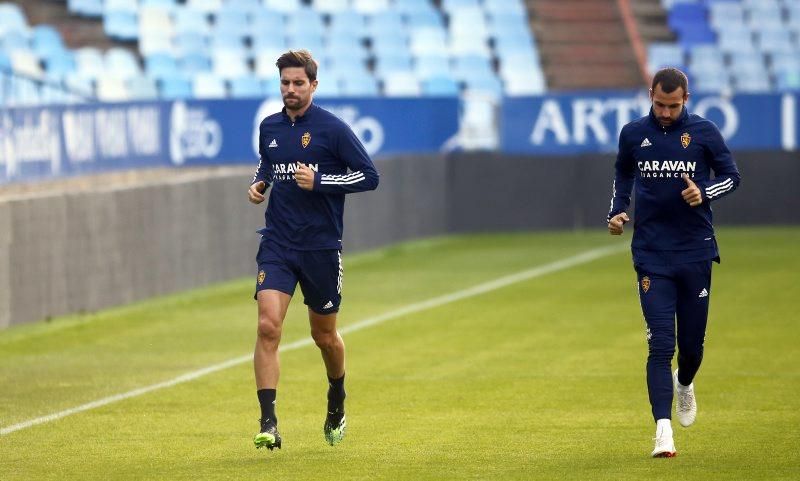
point(84, 249)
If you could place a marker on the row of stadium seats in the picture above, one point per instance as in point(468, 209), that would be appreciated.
point(395, 48)
point(733, 45)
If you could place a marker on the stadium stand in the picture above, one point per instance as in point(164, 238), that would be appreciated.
point(750, 46)
point(228, 48)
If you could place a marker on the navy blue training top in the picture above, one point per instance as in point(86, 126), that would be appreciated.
point(310, 220)
point(652, 157)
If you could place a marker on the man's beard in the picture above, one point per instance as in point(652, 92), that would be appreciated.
point(296, 105)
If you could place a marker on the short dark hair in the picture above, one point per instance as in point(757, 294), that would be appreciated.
point(670, 79)
point(298, 58)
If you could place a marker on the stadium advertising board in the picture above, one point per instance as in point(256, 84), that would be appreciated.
point(66, 140)
point(591, 122)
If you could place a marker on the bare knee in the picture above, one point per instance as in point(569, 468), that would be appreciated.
point(325, 339)
point(269, 329)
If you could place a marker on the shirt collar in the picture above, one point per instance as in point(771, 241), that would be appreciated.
point(675, 125)
point(303, 118)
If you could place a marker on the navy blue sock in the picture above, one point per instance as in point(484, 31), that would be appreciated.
point(266, 398)
point(336, 393)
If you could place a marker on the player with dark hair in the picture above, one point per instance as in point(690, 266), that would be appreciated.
point(311, 159)
point(668, 156)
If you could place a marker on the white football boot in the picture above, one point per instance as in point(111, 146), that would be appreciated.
point(665, 446)
point(685, 402)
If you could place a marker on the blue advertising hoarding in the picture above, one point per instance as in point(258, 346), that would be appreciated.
point(68, 140)
point(590, 122)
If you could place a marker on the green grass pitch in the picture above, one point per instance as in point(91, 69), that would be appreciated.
point(540, 379)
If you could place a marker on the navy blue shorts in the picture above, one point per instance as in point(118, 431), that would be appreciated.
point(319, 273)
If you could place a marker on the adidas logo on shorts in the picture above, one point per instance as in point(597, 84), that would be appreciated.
point(328, 305)
point(703, 293)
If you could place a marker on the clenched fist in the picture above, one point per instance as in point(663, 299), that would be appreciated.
point(256, 192)
point(616, 223)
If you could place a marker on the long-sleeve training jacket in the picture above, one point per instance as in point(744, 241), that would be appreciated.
point(310, 220)
point(653, 158)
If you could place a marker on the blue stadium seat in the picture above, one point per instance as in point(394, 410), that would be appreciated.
point(267, 22)
point(235, 22)
point(370, 6)
point(271, 87)
point(188, 20)
point(424, 18)
point(788, 80)
point(412, 7)
point(174, 88)
point(721, 14)
point(246, 87)
point(440, 86)
point(733, 41)
point(343, 66)
point(387, 65)
point(193, 63)
point(454, 5)
point(205, 6)
point(431, 66)
point(387, 21)
point(743, 62)
point(190, 42)
point(121, 63)
point(389, 43)
point(359, 86)
point(142, 88)
point(229, 64)
point(784, 61)
point(208, 85)
point(89, 62)
point(331, 6)
point(703, 54)
point(283, 5)
point(159, 3)
point(711, 81)
point(664, 55)
point(764, 13)
point(755, 81)
point(305, 22)
point(471, 66)
point(779, 40)
point(516, 7)
point(160, 65)
point(121, 25)
point(86, 8)
point(489, 84)
point(47, 40)
point(306, 40)
point(59, 65)
point(12, 19)
point(327, 87)
point(14, 40)
point(401, 84)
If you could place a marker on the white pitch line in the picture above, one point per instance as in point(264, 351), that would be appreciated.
point(495, 284)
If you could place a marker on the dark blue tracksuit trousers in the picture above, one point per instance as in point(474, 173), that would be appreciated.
point(670, 293)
